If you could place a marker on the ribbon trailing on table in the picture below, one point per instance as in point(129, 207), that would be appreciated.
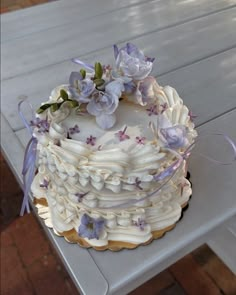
point(28, 170)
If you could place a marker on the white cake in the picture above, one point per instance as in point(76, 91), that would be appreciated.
point(112, 150)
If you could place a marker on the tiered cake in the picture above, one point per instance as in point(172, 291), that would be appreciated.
point(112, 150)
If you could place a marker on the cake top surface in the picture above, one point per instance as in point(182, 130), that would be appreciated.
point(104, 106)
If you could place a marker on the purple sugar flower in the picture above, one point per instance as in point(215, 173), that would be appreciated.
point(80, 196)
point(132, 63)
point(81, 88)
point(140, 223)
point(41, 124)
point(44, 184)
point(121, 134)
point(91, 140)
point(140, 140)
point(90, 227)
point(74, 129)
point(173, 137)
point(104, 104)
point(152, 110)
point(191, 116)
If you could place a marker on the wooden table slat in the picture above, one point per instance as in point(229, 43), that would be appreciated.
point(61, 12)
point(70, 40)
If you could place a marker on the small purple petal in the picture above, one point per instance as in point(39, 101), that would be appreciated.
point(140, 140)
point(140, 223)
point(44, 184)
point(121, 134)
point(74, 76)
point(152, 110)
point(91, 140)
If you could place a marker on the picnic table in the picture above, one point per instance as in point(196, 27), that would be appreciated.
point(194, 43)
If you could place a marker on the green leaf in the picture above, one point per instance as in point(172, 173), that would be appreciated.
point(43, 108)
point(99, 82)
point(64, 94)
point(83, 73)
point(98, 70)
point(73, 103)
point(54, 107)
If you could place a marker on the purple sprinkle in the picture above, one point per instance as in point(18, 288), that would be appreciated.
point(140, 223)
point(91, 140)
point(74, 129)
point(44, 184)
point(163, 107)
point(140, 140)
point(80, 196)
point(121, 134)
point(152, 110)
point(42, 125)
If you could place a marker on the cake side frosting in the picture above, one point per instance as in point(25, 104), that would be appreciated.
point(108, 184)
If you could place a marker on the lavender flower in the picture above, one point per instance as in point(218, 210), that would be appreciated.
point(44, 184)
point(132, 63)
point(121, 134)
point(91, 140)
point(142, 92)
point(140, 140)
point(140, 223)
point(74, 129)
point(90, 227)
point(148, 88)
point(81, 88)
point(41, 124)
point(80, 196)
point(103, 105)
point(173, 137)
point(152, 110)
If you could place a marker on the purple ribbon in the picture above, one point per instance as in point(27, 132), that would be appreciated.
point(84, 64)
point(28, 170)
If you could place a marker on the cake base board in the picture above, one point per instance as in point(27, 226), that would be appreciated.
point(71, 236)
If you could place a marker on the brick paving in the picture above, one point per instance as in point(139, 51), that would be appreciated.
point(30, 265)
point(11, 5)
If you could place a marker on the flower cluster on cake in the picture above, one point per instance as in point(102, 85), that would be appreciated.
point(112, 150)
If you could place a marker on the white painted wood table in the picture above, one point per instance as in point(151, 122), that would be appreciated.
point(195, 45)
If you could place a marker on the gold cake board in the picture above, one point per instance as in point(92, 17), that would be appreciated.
point(72, 236)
